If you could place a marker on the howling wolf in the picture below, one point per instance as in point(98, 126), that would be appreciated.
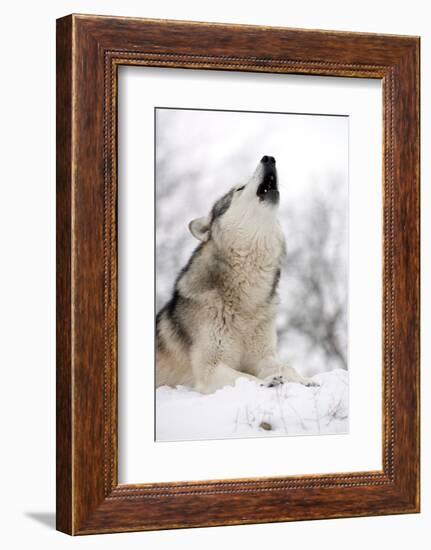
point(219, 324)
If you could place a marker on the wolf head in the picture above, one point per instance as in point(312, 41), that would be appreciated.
point(245, 213)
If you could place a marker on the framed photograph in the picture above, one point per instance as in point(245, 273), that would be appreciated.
point(237, 274)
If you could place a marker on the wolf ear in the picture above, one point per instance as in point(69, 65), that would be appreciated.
point(200, 228)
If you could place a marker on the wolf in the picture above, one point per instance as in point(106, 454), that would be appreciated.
point(219, 324)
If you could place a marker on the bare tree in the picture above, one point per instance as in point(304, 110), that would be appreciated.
point(315, 305)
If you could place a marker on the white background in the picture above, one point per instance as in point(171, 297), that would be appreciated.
point(141, 458)
point(27, 278)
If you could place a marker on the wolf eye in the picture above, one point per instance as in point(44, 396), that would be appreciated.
point(240, 188)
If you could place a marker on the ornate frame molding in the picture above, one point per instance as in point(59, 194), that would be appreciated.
point(89, 498)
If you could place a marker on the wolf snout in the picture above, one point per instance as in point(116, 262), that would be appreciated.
point(267, 190)
point(267, 160)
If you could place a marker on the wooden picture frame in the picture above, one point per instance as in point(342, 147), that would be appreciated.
point(89, 51)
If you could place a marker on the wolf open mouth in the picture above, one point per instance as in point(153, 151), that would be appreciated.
point(268, 188)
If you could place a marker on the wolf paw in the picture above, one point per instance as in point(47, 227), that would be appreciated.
point(310, 383)
point(273, 381)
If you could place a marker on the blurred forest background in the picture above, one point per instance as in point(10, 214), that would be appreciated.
point(201, 154)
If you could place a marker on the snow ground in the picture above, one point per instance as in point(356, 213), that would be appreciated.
point(249, 410)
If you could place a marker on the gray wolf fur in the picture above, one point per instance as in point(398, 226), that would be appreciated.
point(219, 324)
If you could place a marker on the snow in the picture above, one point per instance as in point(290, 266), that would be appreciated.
point(250, 410)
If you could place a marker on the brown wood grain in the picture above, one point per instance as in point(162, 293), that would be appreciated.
point(64, 496)
point(89, 51)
